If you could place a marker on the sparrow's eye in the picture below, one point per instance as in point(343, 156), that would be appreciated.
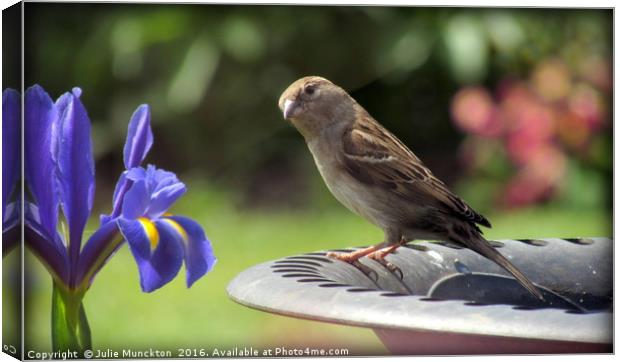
point(309, 90)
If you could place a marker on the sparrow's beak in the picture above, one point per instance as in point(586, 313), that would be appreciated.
point(289, 108)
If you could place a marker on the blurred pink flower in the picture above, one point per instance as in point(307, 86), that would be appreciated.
point(528, 123)
point(536, 121)
point(538, 179)
point(515, 96)
point(597, 70)
point(474, 111)
point(586, 103)
point(522, 191)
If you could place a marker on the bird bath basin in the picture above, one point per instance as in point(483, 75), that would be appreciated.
point(450, 300)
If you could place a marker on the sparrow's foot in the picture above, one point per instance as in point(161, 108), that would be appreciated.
point(379, 257)
point(353, 259)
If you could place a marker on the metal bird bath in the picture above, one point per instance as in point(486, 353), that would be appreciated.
point(451, 301)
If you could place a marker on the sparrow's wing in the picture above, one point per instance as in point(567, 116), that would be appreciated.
point(374, 156)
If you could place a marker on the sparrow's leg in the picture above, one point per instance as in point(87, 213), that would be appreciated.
point(355, 255)
point(392, 237)
point(353, 259)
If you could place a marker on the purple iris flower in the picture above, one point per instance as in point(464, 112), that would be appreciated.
point(160, 242)
point(60, 177)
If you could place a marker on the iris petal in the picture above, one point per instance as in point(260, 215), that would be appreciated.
point(162, 199)
point(40, 169)
point(119, 187)
point(104, 219)
point(76, 171)
point(139, 137)
point(163, 189)
point(10, 216)
point(99, 248)
point(158, 178)
point(11, 109)
point(48, 246)
point(32, 216)
point(136, 173)
point(136, 200)
point(199, 257)
point(156, 267)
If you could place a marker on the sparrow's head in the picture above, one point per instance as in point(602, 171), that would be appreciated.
point(313, 103)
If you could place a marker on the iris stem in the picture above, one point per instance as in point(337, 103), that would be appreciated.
point(70, 330)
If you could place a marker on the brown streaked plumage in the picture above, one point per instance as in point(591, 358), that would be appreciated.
point(376, 176)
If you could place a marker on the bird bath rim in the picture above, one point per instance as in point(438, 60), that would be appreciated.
point(312, 286)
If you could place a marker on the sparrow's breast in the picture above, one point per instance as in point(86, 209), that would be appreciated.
point(356, 196)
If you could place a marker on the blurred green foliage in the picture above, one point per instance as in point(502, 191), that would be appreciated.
point(212, 75)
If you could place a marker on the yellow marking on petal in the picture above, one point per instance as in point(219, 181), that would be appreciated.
point(178, 228)
point(151, 231)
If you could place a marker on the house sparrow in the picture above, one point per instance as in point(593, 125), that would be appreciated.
point(377, 177)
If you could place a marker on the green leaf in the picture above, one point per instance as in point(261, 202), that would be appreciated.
point(70, 330)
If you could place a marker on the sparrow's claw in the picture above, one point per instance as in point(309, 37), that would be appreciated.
point(353, 259)
point(369, 272)
point(396, 270)
point(379, 258)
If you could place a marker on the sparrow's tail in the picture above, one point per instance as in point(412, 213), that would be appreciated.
point(483, 248)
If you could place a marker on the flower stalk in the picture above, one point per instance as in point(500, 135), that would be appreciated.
point(70, 329)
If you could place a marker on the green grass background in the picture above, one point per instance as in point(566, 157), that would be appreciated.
point(121, 315)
